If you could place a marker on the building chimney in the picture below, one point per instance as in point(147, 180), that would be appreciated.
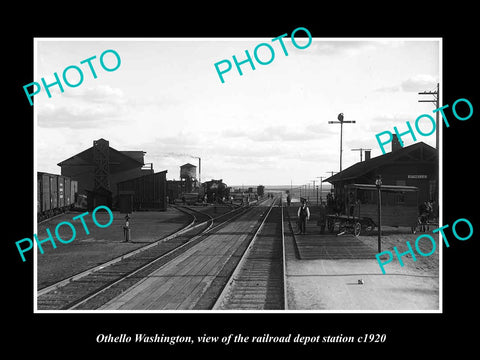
point(199, 170)
point(367, 154)
point(395, 143)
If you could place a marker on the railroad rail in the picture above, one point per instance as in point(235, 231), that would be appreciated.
point(194, 279)
point(123, 271)
point(292, 234)
point(258, 281)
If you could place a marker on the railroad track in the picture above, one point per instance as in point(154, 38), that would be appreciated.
point(90, 288)
point(195, 279)
point(292, 233)
point(258, 281)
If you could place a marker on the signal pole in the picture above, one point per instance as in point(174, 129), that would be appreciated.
point(341, 122)
point(436, 100)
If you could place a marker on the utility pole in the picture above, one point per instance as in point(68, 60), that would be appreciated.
point(341, 122)
point(331, 172)
point(361, 152)
point(314, 190)
point(321, 179)
point(436, 101)
point(378, 184)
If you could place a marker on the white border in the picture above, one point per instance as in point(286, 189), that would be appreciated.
point(216, 312)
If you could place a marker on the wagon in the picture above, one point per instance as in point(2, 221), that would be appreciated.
point(399, 208)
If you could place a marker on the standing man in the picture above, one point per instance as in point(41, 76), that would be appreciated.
point(303, 215)
point(323, 217)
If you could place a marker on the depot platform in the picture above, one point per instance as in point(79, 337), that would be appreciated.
point(102, 244)
point(340, 273)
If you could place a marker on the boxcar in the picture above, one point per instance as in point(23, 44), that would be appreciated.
point(55, 194)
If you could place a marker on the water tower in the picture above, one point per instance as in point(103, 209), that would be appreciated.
point(188, 174)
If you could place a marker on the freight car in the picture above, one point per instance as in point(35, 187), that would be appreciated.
point(55, 194)
point(260, 190)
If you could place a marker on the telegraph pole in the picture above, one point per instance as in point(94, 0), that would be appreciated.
point(361, 152)
point(341, 122)
point(314, 189)
point(436, 101)
point(321, 179)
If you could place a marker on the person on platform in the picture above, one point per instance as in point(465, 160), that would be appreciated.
point(322, 220)
point(303, 216)
point(425, 211)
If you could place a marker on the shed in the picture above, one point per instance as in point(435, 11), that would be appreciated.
point(149, 191)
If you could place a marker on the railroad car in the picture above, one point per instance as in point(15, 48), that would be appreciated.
point(399, 208)
point(216, 191)
point(55, 194)
point(260, 190)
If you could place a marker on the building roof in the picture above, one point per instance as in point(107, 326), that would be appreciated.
point(416, 152)
point(137, 155)
point(188, 165)
point(118, 160)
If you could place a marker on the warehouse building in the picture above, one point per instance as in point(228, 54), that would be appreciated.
point(146, 192)
point(414, 165)
point(99, 168)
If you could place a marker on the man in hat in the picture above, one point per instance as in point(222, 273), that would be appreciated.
point(303, 215)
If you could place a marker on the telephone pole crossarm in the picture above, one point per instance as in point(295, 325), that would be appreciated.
point(436, 100)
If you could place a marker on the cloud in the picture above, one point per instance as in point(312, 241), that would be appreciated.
point(391, 118)
point(413, 84)
point(77, 115)
point(339, 47)
point(419, 82)
point(281, 133)
point(389, 89)
point(90, 107)
point(100, 94)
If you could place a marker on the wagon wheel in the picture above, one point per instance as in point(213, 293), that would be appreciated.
point(370, 225)
point(357, 228)
point(414, 229)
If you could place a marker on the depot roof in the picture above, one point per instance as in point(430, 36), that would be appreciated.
point(416, 152)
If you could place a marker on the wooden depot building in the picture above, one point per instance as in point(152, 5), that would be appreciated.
point(414, 165)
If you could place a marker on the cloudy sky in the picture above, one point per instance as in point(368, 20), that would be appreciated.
point(269, 126)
